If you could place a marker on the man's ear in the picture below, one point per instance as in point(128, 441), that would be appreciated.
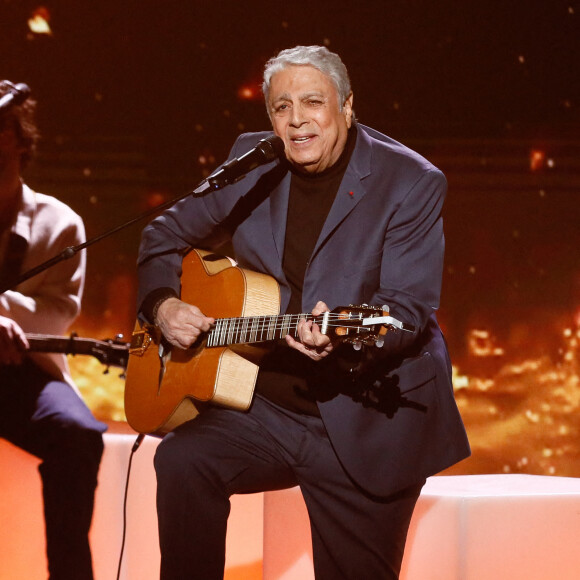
point(347, 110)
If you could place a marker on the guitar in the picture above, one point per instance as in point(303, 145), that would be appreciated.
point(164, 383)
point(109, 352)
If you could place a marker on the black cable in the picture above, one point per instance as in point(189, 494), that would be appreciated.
point(136, 445)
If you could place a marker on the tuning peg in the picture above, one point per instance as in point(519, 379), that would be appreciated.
point(357, 345)
point(379, 342)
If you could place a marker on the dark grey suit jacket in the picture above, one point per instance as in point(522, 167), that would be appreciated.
point(382, 244)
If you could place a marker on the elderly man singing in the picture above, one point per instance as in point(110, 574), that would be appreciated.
point(347, 216)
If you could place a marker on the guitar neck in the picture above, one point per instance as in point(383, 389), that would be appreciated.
point(108, 352)
point(251, 329)
point(63, 344)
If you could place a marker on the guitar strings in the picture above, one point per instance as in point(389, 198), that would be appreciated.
point(231, 330)
point(290, 319)
point(288, 316)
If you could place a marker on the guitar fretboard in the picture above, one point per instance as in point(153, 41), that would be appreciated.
point(250, 329)
point(108, 352)
point(64, 344)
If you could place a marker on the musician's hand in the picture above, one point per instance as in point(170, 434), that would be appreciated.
point(311, 341)
point(181, 323)
point(13, 343)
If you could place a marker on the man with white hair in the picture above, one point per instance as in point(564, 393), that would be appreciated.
point(348, 217)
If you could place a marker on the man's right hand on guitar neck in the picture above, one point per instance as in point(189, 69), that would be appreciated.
point(181, 323)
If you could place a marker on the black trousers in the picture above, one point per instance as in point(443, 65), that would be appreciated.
point(223, 452)
point(48, 419)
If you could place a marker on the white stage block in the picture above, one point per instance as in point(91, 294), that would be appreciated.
point(495, 527)
point(22, 542)
point(472, 527)
point(287, 539)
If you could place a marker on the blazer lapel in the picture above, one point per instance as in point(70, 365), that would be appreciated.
point(351, 189)
point(279, 212)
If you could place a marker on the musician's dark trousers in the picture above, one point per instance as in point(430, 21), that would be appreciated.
point(48, 419)
point(222, 452)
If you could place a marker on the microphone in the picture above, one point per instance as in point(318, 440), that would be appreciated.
point(265, 151)
point(16, 95)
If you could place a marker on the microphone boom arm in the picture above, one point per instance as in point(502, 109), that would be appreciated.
point(206, 186)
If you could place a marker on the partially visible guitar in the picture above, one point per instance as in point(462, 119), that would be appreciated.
point(109, 352)
point(164, 383)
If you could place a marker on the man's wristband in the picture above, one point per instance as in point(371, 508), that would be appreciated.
point(153, 301)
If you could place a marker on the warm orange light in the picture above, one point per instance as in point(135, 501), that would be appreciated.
point(247, 93)
point(481, 343)
point(537, 159)
point(155, 198)
point(39, 21)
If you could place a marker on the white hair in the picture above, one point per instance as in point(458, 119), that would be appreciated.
point(319, 57)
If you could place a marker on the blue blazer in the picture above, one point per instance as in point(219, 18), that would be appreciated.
point(381, 244)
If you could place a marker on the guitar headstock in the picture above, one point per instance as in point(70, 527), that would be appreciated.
point(363, 324)
point(109, 352)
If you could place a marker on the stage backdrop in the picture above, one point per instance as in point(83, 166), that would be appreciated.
point(138, 101)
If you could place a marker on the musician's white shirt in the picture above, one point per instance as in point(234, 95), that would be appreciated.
point(49, 302)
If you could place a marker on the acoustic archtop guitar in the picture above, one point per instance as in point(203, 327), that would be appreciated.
point(164, 383)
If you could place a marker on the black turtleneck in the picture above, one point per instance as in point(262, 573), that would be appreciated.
point(284, 373)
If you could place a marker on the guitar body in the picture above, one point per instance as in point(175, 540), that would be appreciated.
point(162, 392)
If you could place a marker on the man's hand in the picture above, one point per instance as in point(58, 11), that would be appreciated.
point(181, 323)
point(13, 343)
point(311, 341)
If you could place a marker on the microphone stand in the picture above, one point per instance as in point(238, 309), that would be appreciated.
point(202, 189)
point(265, 151)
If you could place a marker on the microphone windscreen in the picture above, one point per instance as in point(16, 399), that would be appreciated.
point(272, 147)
